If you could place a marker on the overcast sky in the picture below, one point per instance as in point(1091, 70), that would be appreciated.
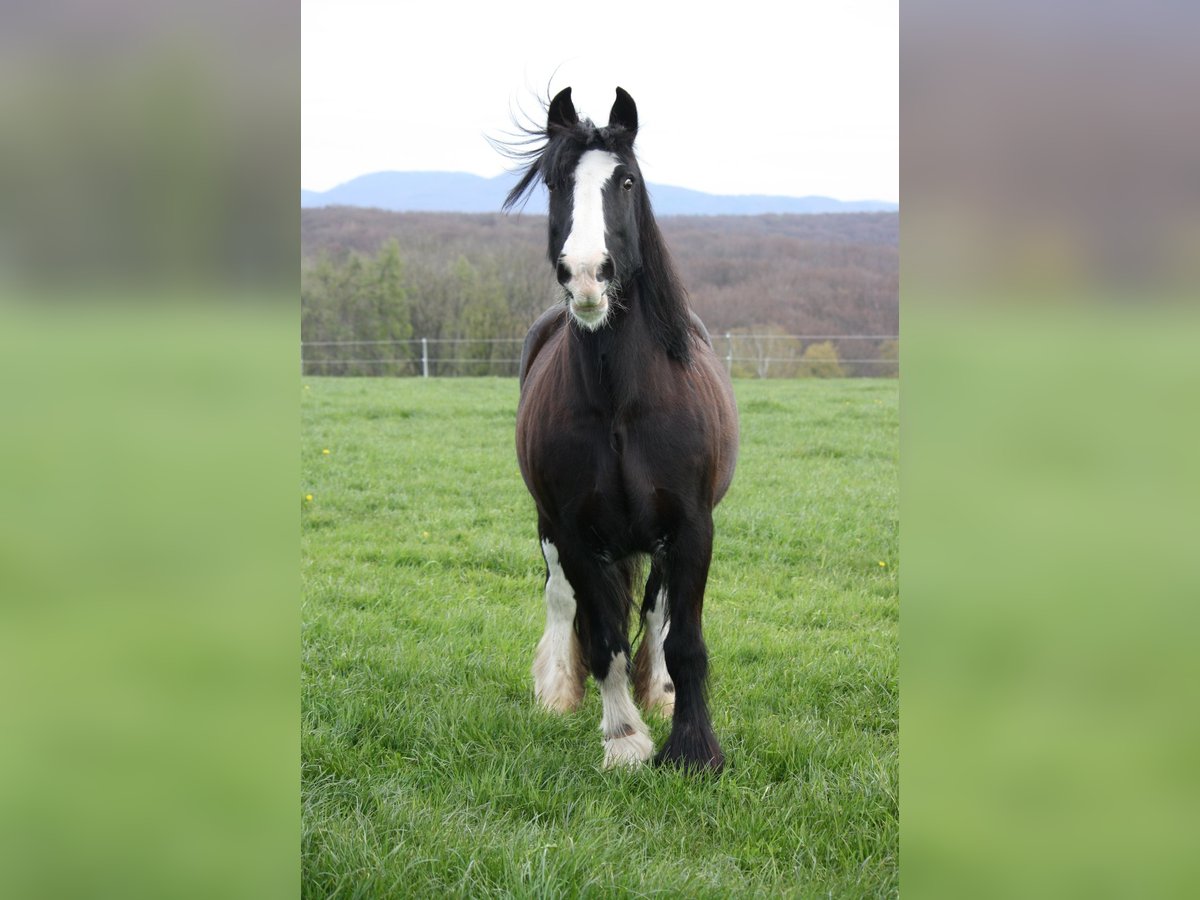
point(746, 97)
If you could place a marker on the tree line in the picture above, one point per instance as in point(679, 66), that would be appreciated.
point(472, 284)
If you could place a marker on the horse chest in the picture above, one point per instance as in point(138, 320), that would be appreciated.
point(596, 454)
point(634, 462)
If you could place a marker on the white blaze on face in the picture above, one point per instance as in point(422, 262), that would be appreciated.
point(584, 250)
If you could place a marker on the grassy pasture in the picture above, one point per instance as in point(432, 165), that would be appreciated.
point(427, 769)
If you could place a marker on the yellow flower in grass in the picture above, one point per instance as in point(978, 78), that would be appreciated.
point(882, 563)
point(325, 452)
point(308, 498)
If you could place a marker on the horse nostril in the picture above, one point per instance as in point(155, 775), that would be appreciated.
point(606, 270)
point(564, 274)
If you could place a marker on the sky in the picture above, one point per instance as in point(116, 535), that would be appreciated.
point(754, 97)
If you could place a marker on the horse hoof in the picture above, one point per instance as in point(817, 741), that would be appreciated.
point(631, 749)
point(664, 710)
point(693, 753)
point(558, 695)
point(560, 703)
point(558, 685)
point(662, 706)
point(660, 701)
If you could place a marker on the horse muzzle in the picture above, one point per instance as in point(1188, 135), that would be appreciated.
point(591, 314)
point(588, 301)
point(586, 283)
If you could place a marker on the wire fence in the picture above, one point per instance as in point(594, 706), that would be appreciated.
point(745, 356)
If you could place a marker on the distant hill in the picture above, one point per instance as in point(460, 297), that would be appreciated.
point(461, 192)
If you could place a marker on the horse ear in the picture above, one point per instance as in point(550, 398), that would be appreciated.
point(562, 111)
point(624, 112)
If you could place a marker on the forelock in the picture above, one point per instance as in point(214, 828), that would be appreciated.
point(556, 151)
point(565, 146)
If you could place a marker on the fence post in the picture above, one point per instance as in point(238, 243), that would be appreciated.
point(729, 353)
point(424, 357)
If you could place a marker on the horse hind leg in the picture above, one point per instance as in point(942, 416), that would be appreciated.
point(559, 671)
point(652, 685)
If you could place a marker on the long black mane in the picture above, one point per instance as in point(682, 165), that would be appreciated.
point(550, 155)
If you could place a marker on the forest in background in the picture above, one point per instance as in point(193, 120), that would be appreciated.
point(473, 283)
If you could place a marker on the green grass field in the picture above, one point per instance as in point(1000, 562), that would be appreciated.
point(427, 768)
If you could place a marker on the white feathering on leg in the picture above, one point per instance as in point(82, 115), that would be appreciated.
point(558, 670)
point(660, 694)
point(626, 737)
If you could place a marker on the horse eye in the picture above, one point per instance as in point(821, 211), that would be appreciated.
point(628, 185)
point(549, 187)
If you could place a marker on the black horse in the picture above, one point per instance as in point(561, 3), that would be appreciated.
point(627, 439)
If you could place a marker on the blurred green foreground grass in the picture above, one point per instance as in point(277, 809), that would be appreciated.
point(147, 600)
point(1051, 497)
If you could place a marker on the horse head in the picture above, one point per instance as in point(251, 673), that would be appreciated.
point(597, 205)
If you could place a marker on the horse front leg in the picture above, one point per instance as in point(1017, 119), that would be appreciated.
point(603, 607)
point(692, 743)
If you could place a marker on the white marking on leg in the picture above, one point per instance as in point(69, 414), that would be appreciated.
point(626, 737)
point(558, 669)
point(660, 696)
point(585, 250)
